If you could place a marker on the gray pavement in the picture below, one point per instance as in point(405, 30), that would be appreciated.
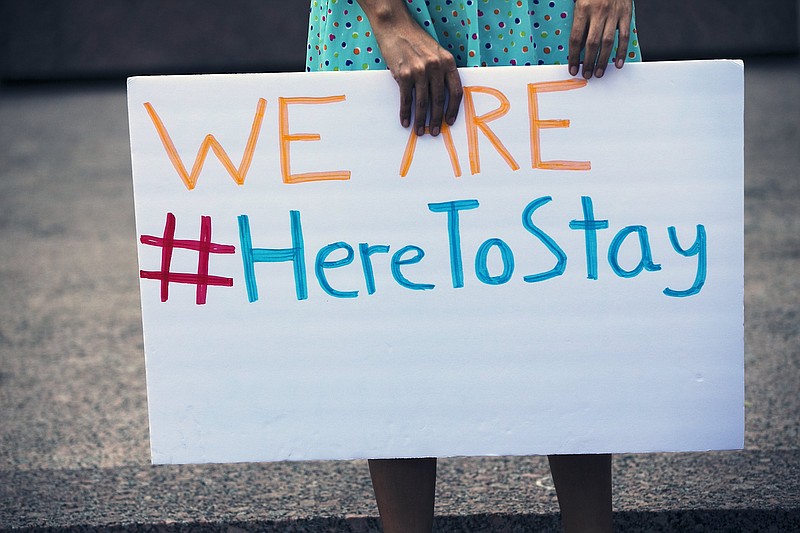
point(73, 420)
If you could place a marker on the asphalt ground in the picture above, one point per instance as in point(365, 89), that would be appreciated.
point(73, 419)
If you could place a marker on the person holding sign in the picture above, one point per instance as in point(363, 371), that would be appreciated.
point(422, 43)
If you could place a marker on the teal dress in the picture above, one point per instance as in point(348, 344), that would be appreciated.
point(478, 33)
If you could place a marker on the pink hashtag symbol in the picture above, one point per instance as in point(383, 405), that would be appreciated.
point(204, 247)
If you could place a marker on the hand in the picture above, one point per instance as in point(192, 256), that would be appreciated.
point(594, 26)
point(425, 72)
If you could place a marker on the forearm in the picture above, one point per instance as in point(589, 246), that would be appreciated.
point(385, 14)
point(393, 26)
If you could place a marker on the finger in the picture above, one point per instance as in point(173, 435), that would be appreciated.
point(593, 38)
point(406, 99)
point(577, 39)
point(623, 40)
point(606, 46)
point(421, 98)
point(437, 103)
point(454, 94)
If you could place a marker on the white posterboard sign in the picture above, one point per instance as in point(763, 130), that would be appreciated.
point(561, 271)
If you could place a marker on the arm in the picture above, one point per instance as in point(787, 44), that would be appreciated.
point(425, 72)
point(594, 26)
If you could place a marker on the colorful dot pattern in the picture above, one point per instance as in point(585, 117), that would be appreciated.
point(478, 33)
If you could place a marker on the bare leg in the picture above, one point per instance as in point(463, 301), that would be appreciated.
point(583, 486)
point(404, 490)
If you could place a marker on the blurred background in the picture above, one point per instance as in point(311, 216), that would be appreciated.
point(107, 39)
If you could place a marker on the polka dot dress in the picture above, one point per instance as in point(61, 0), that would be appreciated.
point(477, 33)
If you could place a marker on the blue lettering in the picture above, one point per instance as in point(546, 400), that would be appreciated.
point(322, 264)
point(645, 263)
point(698, 249)
point(555, 249)
point(398, 261)
point(454, 234)
point(295, 254)
point(481, 268)
point(365, 251)
point(590, 226)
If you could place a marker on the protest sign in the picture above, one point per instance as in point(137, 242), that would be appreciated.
point(561, 271)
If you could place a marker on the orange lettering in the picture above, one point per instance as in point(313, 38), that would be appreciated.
point(474, 123)
point(538, 124)
point(190, 179)
point(286, 138)
point(408, 156)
